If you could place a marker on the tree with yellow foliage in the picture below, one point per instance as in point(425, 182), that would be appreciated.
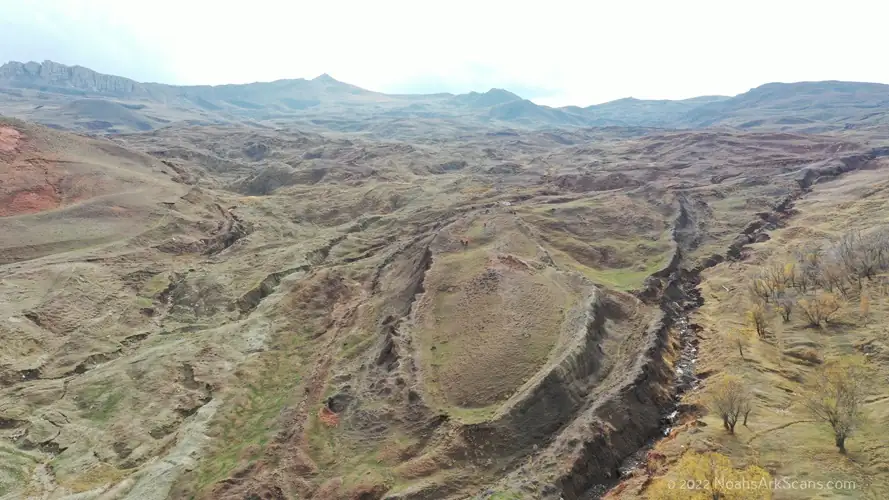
point(757, 318)
point(819, 309)
point(708, 476)
point(731, 400)
point(776, 278)
point(759, 290)
point(791, 276)
point(836, 397)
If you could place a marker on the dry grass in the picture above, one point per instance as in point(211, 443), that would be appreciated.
point(613, 239)
point(60, 192)
point(781, 436)
point(489, 318)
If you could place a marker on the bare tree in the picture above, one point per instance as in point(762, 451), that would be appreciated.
point(880, 238)
point(834, 277)
point(730, 400)
point(863, 254)
point(760, 290)
point(837, 397)
point(860, 253)
point(785, 307)
point(808, 269)
point(777, 273)
point(771, 282)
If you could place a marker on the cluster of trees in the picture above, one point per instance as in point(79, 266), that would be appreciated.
point(836, 396)
point(814, 286)
point(820, 278)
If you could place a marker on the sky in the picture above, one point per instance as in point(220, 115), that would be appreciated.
point(554, 52)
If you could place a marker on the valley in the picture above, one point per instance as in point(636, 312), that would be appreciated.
point(303, 289)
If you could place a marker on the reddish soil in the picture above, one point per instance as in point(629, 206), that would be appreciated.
point(36, 180)
point(25, 186)
point(9, 140)
point(27, 202)
point(30, 187)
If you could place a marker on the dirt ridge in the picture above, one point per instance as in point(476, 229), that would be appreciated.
point(606, 449)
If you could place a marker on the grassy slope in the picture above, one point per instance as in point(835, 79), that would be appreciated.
point(612, 239)
point(489, 323)
point(781, 435)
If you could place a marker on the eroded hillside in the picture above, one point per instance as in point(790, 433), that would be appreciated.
point(220, 312)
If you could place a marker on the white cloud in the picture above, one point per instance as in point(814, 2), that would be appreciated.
point(580, 52)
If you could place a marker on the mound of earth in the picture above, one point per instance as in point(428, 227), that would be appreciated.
point(491, 313)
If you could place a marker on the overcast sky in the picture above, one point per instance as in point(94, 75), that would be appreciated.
point(553, 52)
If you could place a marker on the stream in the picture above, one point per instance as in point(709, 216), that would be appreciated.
point(686, 380)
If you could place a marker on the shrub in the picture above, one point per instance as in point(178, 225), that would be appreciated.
point(705, 476)
point(819, 309)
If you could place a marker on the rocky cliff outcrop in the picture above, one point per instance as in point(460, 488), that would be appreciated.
point(59, 75)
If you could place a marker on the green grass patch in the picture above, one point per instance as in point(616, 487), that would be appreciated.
point(356, 461)
point(655, 257)
point(473, 415)
point(354, 345)
point(144, 302)
point(99, 402)
point(625, 279)
point(249, 422)
point(97, 475)
point(15, 468)
point(549, 208)
point(155, 285)
point(730, 204)
point(8, 120)
point(507, 495)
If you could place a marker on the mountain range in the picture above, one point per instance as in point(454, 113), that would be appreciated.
point(80, 99)
point(306, 290)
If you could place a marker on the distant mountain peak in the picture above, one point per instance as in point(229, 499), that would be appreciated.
point(502, 93)
point(325, 78)
point(492, 97)
point(139, 106)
